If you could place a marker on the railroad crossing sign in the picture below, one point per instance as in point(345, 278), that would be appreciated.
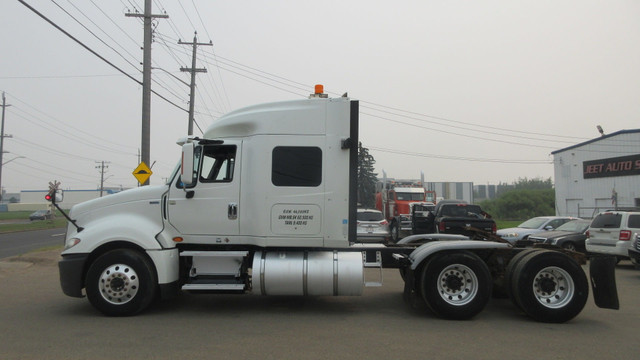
point(142, 173)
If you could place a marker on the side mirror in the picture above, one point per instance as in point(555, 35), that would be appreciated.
point(186, 169)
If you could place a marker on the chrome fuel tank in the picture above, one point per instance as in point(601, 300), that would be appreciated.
point(314, 273)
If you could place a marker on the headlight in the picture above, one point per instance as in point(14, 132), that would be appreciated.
point(71, 243)
point(510, 235)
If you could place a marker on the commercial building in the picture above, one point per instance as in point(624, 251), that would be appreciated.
point(599, 174)
point(34, 199)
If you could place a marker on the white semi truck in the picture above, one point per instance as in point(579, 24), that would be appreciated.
point(265, 203)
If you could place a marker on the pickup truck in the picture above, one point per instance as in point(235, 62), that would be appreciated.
point(453, 217)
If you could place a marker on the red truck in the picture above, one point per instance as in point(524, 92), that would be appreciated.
point(396, 203)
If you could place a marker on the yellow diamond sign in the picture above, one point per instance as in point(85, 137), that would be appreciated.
point(142, 173)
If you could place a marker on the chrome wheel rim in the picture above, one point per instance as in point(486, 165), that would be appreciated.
point(553, 287)
point(118, 284)
point(457, 284)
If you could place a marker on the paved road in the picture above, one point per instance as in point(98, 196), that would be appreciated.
point(38, 322)
point(17, 243)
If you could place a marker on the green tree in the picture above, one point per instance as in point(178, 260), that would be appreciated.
point(525, 199)
point(367, 178)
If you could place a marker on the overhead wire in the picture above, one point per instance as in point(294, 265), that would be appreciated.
point(85, 133)
point(96, 36)
point(114, 23)
point(95, 53)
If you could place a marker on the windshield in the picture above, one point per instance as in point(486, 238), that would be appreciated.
point(574, 226)
point(534, 223)
point(175, 172)
point(369, 215)
point(410, 196)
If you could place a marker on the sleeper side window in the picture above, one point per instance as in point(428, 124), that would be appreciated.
point(296, 166)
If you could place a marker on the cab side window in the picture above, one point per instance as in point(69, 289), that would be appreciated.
point(218, 163)
point(213, 163)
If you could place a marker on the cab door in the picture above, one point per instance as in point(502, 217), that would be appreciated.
point(210, 206)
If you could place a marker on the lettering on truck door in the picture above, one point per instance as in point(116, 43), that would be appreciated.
point(214, 208)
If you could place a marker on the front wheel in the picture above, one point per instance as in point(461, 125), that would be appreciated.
point(456, 285)
point(121, 283)
point(550, 287)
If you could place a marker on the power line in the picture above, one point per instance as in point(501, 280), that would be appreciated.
point(463, 158)
point(96, 36)
point(91, 135)
point(95, 53)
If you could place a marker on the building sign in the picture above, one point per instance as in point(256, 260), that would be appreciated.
point(618, 166)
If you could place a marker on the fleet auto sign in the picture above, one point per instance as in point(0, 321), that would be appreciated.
point(618, 166)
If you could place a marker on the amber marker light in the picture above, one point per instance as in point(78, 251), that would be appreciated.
point(177, 239)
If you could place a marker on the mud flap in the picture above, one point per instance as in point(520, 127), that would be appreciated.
point(410, 296)
point(602, 270)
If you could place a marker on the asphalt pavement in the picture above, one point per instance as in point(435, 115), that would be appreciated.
point(37, 321)
point(22, 242)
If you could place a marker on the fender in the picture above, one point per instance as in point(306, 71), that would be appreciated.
point(428, 249)
point(139, 230)
point(415, 238)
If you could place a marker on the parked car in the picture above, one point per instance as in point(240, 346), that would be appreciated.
point(611, 233)
point(570, 235)
point(634, 251)
point(40, 215)
point(533, 226)
point(372, 226)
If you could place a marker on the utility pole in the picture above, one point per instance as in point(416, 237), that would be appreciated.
point(102, 168)
point(193, 70)
point(4, 105)
point(146, 80)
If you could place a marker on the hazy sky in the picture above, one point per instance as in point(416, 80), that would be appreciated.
point(477, 91)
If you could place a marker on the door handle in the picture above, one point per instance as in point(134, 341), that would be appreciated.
point(232, 211)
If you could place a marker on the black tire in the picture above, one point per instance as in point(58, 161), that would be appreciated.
point(570, 246)
point(456, 285)
point(121, 283)
point(550, 287)
point(508, 274)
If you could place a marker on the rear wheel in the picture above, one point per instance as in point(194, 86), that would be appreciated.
point(456, 285)
point(508, 275)
point(121, 283)
point(550, 287)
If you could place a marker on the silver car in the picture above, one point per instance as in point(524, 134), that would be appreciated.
point(372, 226)
point(533, 226)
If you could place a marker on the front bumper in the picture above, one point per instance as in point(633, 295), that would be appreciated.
point(72, 274)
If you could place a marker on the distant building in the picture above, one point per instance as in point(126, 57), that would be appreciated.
point(599, 174)
point(34, 199)
point(452, 190)
point(489, 191)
